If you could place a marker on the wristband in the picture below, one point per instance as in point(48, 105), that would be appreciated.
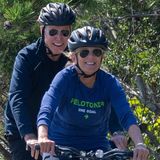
point(140, 144)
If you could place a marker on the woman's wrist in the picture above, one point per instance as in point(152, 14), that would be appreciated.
point(140, 144)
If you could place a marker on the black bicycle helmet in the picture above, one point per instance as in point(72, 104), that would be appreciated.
point(87, 37)
point(58, 14)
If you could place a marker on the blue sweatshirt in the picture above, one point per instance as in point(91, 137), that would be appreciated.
point(78, 116)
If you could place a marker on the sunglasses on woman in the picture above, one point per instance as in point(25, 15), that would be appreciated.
point(54, 32)
point(96, 52)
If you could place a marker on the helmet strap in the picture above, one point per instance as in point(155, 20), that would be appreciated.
point(43, 32)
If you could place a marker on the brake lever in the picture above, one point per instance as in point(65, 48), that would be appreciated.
point(69, 152)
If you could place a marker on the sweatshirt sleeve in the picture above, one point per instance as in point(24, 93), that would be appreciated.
point(52, 99)
point(121, 106)
point(19, 92)
point(114, 124)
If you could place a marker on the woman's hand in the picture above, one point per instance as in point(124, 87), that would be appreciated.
point(140, 152)
point(46, 145)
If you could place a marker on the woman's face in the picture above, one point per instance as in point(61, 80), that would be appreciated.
point(89, 59)
point(56, 38)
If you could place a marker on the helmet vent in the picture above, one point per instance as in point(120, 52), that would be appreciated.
point(98, 34)
point(60, 11)
point(72, 39)
point(89, 34)
point(79, 35)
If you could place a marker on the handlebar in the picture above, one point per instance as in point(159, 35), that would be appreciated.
point(72, 153)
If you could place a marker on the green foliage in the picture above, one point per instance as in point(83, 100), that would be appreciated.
point(150, 124)
point(16, 13)
point(22, 30)
point(132, 28)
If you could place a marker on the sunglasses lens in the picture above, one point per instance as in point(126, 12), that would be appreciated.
point(65, 33)
point(53, 32)
point(84, 53)
point(97, 52)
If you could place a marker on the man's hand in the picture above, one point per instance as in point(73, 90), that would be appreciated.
point(31, 144)
point(120, 141)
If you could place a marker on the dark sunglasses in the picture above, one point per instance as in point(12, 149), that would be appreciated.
point(54, 32)
point(96, 52)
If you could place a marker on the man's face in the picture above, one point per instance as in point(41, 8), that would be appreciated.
point(56, 38)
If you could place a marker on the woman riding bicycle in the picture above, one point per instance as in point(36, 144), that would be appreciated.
point(75, 110)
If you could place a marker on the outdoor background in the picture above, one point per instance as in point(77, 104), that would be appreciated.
point(133, 29)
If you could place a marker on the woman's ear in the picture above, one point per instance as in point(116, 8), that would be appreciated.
point(73, 57)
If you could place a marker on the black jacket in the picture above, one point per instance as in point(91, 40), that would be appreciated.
point(32, 74)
